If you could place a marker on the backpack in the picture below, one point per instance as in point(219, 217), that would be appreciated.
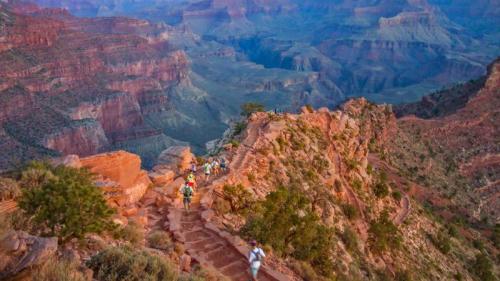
point(257, 255)
point(187, 192)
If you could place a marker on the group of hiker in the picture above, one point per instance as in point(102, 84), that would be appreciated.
point(213, 166)
point(216, 166)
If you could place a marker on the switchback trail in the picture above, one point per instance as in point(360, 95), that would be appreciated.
point(211, 247)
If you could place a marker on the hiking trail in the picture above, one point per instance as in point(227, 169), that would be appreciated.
point(211, 247)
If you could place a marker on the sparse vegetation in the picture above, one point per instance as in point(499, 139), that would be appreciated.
point(58, 270)
point(384, 235)
point(239, 127)
point(67, 204)
point(132, 233)
point(286, 222)
point(238, 197)
point(9, 189)
point(124, 263)
point(160, 240)
point(350, 239)
point(482, 267)
point(350, 211)
point(250, 107)
point(442, 242)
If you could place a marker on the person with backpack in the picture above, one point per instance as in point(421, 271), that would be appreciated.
point(223, 164)
point(207, 169)
point(215, 167)
point(255, 258)
point(187, 193)
point(193, 167)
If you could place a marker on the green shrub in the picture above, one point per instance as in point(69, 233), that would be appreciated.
point(250, 107)
point(397, 195)
point(286, 222)
point(124, 263)
point(482, 267)
point(452, 230)
point(160, 240)
point(67, 204)
point(238, 197)
point(350, 239)
point(351, 164)
point(58, 270)
point(36, 174)
point(350, 211)
point(239, 127)
point(442, 242)
point(309, 108)
point(304, 270)
point(235, 143)
point(496, 236)
point(132, 232)
point(16, 220)
point(357, 184)
point(383, 234)
point(403, 275)
point(9, 189)
point(380, 189)
point(478, 244)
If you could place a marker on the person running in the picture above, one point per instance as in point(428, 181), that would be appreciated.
point(191, 180)
point(255, 258)
point(207, 169)
point(215, 167)
point(193, 167)
point(223, 164)
point(187, 193)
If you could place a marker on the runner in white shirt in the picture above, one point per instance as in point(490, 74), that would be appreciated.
point(255, 258)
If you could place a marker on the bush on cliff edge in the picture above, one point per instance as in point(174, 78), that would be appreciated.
point(286, 221)
point(66, 204)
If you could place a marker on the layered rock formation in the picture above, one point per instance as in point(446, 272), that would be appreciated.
point(81, 86)
point(121, 176)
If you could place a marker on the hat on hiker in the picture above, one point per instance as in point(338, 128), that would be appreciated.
point(253, 243)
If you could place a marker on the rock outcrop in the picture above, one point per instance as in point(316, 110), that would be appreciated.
point(120, 176)
point(20, 252)
point(175, 158)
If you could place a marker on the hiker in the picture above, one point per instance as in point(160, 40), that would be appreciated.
point(187, 193)
point(191, 180)
point(207, 169)
point(215, 167)
point(193, 167)
point(255, 258)
point(223, 164)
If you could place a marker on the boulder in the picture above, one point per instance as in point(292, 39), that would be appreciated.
point(172, 189)
point(20, 251)
point(162, 177)
point(175, 158)
point(124, 170)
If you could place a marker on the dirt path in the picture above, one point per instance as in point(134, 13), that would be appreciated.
point(246, 148)
point(210, 246)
